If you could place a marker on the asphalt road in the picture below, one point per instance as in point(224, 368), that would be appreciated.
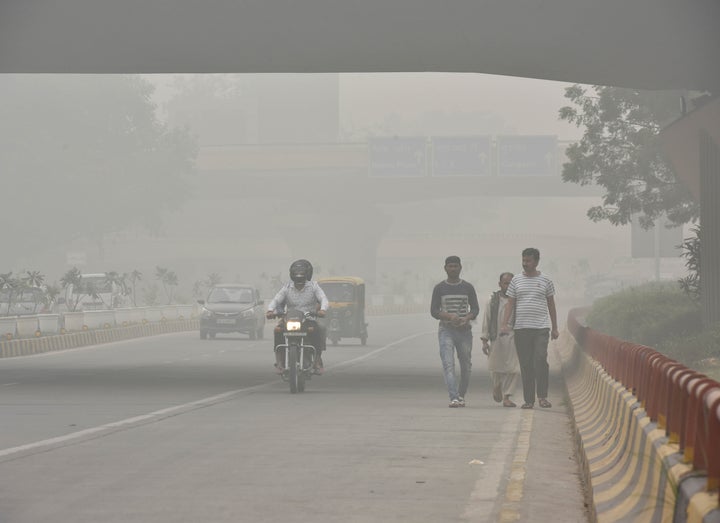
point(175, 429)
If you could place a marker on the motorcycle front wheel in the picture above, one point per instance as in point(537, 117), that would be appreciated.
point(293, 373)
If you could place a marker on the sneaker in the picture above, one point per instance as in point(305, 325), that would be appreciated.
point(461, 401)
point(454, 404)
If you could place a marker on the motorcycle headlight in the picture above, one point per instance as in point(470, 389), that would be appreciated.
point(293, 326)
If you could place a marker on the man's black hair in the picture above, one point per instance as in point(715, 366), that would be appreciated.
point(504, 274)
point(453, 259)
point(532, 251)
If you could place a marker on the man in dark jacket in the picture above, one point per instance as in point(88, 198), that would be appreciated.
point(454, 302)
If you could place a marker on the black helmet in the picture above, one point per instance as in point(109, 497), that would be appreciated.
point(301, 271)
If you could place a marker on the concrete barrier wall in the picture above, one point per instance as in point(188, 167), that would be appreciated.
point(636, 464)
point(71, 340)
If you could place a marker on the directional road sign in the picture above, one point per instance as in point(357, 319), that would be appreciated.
point(461, 156)
point(396, 157)
point(527, 155)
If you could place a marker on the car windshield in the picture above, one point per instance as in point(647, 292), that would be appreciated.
point(342, 292)
point(230, 295)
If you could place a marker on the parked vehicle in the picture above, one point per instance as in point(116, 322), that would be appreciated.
point(346, 316)
point(232, 307)
point(26, 301)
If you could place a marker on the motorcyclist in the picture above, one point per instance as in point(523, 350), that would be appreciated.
point(307, 296)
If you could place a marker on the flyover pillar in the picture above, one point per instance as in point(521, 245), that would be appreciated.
point(340, 239)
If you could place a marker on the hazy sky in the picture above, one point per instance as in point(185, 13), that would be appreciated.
point(526, 106)
point(445, 103)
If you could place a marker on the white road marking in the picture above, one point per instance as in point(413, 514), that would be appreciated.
point(109, 428)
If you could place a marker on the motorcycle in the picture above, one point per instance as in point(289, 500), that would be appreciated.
point(299, 357)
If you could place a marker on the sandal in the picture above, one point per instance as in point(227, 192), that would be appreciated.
point(526, 406)
point(497, 393)
point(544, 403)
point(508, 403)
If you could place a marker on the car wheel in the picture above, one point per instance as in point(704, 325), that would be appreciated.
point(203, 335)
point(252, 333)
point(261, 332)
point(212, 335)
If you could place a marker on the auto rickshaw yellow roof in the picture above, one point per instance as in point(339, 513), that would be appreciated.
point(342, 279)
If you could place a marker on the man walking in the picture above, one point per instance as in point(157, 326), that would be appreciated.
point(532, 297)
point(502, 357)
point(454, 302)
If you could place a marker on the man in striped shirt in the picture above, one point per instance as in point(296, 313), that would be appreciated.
point(532, 297)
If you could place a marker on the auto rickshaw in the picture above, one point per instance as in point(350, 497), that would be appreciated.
point(345, 317)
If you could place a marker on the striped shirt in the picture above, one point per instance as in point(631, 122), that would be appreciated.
point(305, 299)
point(531, 294)
point(454, 298)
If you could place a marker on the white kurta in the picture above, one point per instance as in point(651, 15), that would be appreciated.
point(503, 357)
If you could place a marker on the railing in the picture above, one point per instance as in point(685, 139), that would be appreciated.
point(13, 327)
point(683, 402)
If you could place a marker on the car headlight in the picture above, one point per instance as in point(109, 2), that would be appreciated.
point(207, 314)
point(293, 326)
point(248, 314)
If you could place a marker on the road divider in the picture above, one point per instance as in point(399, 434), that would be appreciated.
point(27, 335)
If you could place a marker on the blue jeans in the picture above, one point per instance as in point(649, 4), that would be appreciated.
point(451, 341)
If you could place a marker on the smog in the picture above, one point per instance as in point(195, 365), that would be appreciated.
point(233, 176)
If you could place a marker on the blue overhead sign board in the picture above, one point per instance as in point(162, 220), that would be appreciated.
point(397, 157)
point(461, 156)
point(527, 156)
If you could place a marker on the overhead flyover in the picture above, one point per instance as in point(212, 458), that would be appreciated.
point(652, 44)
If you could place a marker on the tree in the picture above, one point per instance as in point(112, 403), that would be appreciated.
point(620, 151)
point(168, 279)
point(135, 276)
point(213, 279)
point(691, 252)
point(116, 280)
point(83, 156)
point(9, 286)
point(34, 278)
point(73, 278)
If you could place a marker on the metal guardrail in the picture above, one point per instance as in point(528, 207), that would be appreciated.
point(683, 402)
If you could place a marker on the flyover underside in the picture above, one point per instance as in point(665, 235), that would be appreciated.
point(652, 44)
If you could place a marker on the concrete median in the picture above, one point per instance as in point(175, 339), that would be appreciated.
point(27, 346)
point(635, 473)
